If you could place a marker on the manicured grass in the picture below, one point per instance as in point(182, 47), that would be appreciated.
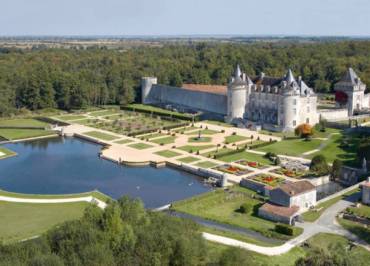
point(152, 135)
point(188, 159)
point(234, 138)
point(249, 156)
point(5, 153)
point(95, 194)
point(205, 164)
point(203, 132)
point(84, 121)
point(189, 148)
point(222, 206)
point(140, 146)
point(313, 215)
point(26, 122)
point(168, 153)
point(70, 117)
point(292, 147)
point(200, 140)
point(101, 135)
point(333, 150)
point(218, 123)
point(165, 140)
point(124, 141)
point(14, 134)
point(24, 220)
point(213, 152)
point(362, 211)
point(356, 228)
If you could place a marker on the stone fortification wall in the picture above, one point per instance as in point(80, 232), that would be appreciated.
point(334, 115)
point(210, 102)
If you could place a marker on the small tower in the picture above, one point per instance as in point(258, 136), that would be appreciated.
point(350, 92)
point(146, 86)
point(237, 95)
point(290, 102)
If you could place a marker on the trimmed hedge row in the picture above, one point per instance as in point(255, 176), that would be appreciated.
point(286, 229)
point(162, 114)
point(260, 145)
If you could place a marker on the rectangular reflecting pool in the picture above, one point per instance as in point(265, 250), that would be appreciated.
point(72, 165)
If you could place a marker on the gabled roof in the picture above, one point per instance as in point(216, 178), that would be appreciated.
point(296, 188)
point(280, 210)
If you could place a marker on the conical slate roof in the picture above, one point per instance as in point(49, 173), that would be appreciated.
point(350, 76)
point(289, 76)
point(238, 72)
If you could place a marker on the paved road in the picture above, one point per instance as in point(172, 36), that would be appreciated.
point(325, 224)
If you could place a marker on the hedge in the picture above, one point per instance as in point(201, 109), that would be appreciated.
point(285, 229)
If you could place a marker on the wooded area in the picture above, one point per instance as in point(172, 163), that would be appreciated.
point(71, 79)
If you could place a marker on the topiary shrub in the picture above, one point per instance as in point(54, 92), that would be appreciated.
point(319, 165)
point(245, 208)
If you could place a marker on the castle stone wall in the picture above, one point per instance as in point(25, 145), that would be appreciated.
point(334, 115)
point(210, 102)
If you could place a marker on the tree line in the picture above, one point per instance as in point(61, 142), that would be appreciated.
point(71, 79)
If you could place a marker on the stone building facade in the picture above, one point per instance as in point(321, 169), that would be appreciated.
point(278, 104)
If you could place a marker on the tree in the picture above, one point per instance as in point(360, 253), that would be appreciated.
point(336, 169)
point(236, 256)
point(319, 165)
point(363, 150)
point(304, 131)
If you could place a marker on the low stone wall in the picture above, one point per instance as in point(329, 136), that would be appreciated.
point(333, 114)
point(255, 186)
point(340, 193)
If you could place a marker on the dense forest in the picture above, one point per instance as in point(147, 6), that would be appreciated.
point(127, 234)
point(71, 78)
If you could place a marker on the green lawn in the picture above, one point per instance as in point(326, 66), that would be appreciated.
point(292, 147)
point(333, 150)
point(14, 134)
point(140, 146)
point(70, 117)
point(357, 229)
point(222, 206)
point(218, 123)
point(203, 132)
point(200, 140)
point(26, 122)
point(362, 211)
point(189, 148)
point(165, 140)
point(152, 135)
point(101, 135)
point(124, 141)
point(95, 194)
point(205, 164)
point(234, 138)
point(214, 152)
point(249, 156)
point(5, 153)
point(168, 153)
point(188, 159)
point(24, 220)
point(84, 121)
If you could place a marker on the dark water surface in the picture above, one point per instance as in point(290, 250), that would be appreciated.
point(72, 165)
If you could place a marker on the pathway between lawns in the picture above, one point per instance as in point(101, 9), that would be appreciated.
point(227, 227)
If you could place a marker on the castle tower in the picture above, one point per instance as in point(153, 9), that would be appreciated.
point(350, 92)
point(146, 86)
point(290, 102)
point(237, 95)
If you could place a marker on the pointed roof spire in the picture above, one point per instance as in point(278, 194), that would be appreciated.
point(238, 72)
point(289, 76)
point(350, 76)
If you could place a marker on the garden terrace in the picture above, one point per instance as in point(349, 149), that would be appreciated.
point(230, 169)
point(269, 180)
point(290, 173)
point(188, 159)
point(252, 164)
point(234, 138)
point(157, 110)
point(245, 155)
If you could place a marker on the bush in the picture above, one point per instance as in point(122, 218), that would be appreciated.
point(304, 131)
point(245, 208)
point(319, 165)
point(285, 229)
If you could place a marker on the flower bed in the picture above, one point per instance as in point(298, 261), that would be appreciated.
point(290, 172)
point(227, 168)
point(252, 164)
point(270, 180)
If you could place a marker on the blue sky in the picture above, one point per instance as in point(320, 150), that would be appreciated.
point(184, 17)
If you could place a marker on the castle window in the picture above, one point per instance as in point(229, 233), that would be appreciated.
point(294, 111)
point(295, 102)
point(294, 123)
point(307, 120)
